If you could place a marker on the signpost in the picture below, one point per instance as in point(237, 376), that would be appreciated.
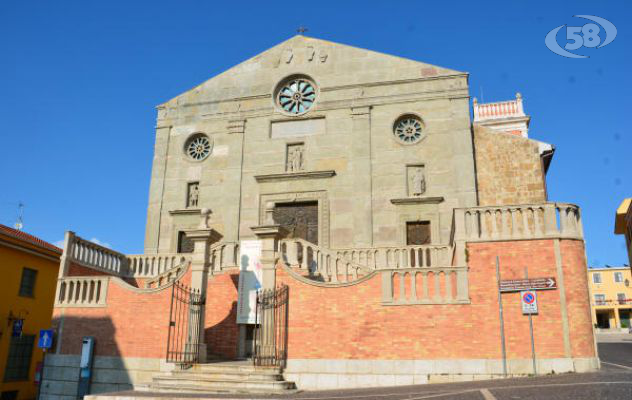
point(519, 285)
point(529, 302)
point(528, 299)
point(45, 342)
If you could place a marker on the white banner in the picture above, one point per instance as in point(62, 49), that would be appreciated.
point(250, 275)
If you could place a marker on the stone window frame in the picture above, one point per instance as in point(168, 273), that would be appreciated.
point(618, 274)
point(433, 217)
point(403, 115)
point(597, 278)
point(190, 136)
point(277, 87)
point(294, 197)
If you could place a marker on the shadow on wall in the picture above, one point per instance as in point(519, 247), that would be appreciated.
point(222, 337)
point(109, 373)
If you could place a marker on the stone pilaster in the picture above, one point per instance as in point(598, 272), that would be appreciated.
point(202, 238)
point(362, 177)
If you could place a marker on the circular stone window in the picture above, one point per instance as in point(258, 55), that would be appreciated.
point(408, 129)
point(296, 95)
point(198, 147)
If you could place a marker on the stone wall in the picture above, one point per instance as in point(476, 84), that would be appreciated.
point(508, 169)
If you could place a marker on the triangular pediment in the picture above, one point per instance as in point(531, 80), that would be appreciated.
point(329, 64)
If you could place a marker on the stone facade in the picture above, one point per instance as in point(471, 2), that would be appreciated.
point(379, 205)
point(349, 130)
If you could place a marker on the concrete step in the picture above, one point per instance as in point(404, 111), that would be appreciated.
point(237, 366)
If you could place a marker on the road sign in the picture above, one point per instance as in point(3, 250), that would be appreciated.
point(17, 327)
point(529, 302)
point(519, 285)
point(45, 339)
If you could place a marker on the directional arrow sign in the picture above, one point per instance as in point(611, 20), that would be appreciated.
point(517, 285)
point(45, 339)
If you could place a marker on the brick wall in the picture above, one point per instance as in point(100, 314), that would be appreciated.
point(508, 168)
point(350, 322)
point(132, 324)
point(221, 329)
point(80, 270)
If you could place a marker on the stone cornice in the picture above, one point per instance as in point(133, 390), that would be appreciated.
point(291, 176)
point(417, 200)
point(185, 211)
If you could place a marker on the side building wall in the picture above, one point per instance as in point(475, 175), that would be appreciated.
point(508, 169)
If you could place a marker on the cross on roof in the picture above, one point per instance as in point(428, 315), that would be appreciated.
point(301, 30)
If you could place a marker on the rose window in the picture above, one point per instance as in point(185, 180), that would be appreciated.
point(296, 96)
point(408, 130)
point(198, 147)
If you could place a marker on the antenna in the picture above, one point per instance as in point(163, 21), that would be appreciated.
point(19, 224)
point(301, 30)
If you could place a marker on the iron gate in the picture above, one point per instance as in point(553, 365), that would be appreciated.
point(183, 340)
point(270, 347)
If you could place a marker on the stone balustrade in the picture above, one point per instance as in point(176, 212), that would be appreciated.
point(319, 264)
point(81, 291)
point(152, 265)
point(399, 257)
point(425, 285)
point(498, 110)
point(95, 256)
point(223, 255)
point(517, 222)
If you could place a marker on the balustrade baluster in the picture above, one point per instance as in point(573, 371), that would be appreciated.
point(526, 231)
point(413, 286)
point(437, 285)
point(402, 287)
point(424, 285)
point(448, 285)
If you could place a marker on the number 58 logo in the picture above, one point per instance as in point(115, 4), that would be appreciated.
point(581, 36)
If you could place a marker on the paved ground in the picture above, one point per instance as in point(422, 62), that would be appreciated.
point(613, 382)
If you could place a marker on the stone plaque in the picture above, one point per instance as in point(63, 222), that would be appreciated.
point(304, 127)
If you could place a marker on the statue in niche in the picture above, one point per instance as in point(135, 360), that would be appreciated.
point(295, 158)
point(418, 182)
point(194, 193)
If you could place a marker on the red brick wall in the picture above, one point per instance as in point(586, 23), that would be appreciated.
point(221, 329)
point(131, 325)
point(350, 322)
point(80, 270)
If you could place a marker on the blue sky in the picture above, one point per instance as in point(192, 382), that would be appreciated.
point(80, 80)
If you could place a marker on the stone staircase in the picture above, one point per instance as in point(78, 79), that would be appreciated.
point(223, 377)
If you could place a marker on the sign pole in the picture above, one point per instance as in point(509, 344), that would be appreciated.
point(535, 371)
point(502, 322)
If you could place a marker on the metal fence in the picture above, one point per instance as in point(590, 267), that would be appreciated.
point(183, 340)
point(270, 347)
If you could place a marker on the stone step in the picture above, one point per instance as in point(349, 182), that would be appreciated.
point(218, 386)
point(233, 367)
point(225, 375)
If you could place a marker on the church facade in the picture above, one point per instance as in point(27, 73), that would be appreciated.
point(386, 215)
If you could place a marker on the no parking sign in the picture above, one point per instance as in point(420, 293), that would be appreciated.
point(529, 302)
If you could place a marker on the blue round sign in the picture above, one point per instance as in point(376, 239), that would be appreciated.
point(528, 298)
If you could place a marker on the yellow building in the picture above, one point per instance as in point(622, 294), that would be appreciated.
point(623, 225)
point(29, 268)
point(611, 297)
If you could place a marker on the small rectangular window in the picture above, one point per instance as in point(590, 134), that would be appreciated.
point(185, 245)
point(19, 358)
point(621, 298)
point(27, 284)
point(618, 277)
point(9, 395)
point(600, 299)
point(596, 277)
